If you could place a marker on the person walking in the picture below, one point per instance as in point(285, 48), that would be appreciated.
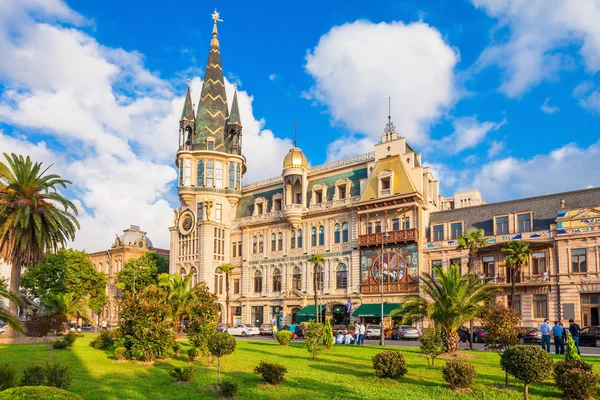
point(575, 329)
point(559, 343)
point(361, 337)
point(545, 329)
point(463, 333)
point(292, 328)
point(357, 333)
point(275, 332)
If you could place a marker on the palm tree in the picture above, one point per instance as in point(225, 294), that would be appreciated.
point(5, 315)
point(473, 240)
point(34, 218)
point(454, 300)
point(317, 260)
point(226, 269)
point(65, 306)
point(179, 289)
point(517, 256)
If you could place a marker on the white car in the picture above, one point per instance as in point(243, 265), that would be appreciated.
point(244, 330)
point(2, 329)
point(373, 331)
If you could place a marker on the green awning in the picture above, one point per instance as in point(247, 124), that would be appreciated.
point(374, 310)
point(310, 310)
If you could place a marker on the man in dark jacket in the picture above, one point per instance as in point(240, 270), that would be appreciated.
point(574, 329)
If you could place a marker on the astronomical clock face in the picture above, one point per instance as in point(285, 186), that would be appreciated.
point(186, 222)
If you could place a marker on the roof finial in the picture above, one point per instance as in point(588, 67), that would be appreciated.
point(295, 131)
point(215, 17)
point(389, 127)
point(189, 80)
point(235, 86)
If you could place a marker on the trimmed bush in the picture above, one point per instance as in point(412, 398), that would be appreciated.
point(432, 345)
point(228, 389)
point(8, 377)
point(560, 373)
point(220, 344)
point(459, 374)
point(70, 338)
point(571, 353)
point(38, 393)
point(528, 364)
point(284, 337)
point(58, 376)
point(59, 344)
point(121, 353)
point(272, 373)
point(582, 384)
point(389, 364)
point(176, 349)
point(104, 340)
point(33, 375)
point(328, 339)
point(312, 337)
point(182, 374)
point(192, 353)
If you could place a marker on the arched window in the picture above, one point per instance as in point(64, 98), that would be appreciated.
point(194, 277)
point(218, 281)
point(320, 277)
point(345, 232)
point(200, 173)
point(254, 243)
point(210, 173)
point(182, 272)
point(273, 242)
point(257, 282)
point(341, 277)
point(280, 241)
point(313, 237)
point(238, 176)
point(277, 280)
point(297, 279)
point(180, 172)
point(336, 233)
point(219, 174)
point(321, 235)
point(231, 175)
point(299, 238)
point(293, 240)
point(261, 247)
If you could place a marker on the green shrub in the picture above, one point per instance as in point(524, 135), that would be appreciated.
point(328, 339)
point(176, 349)
point(59, 344)
point(432, 345)
point(121, 353)
point(182, 374)
point(192, 353)
point(70, 338)
point(571, 351)
point(581, 384)
point(528, 364)
point(104, 340)
point(58, 376)
point(33, 375)
point(561, 367)
point(80, 335)
point(272, 373)
point(138, 354)
point(459, 374)
point(228, 389)
point(38, 393)
point(389, 364)
point(284, 337)
point(312, 337)
point(8, 377)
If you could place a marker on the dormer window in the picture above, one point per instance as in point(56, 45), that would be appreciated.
point(318, 196)
point(210, 144)
point(277, 205)
point(259, 208)
point(385, 183)
point(342, 188)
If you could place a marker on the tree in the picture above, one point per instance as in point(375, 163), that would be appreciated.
point(517, 256)
point(454, 301)
point(65, 306)
point(317, 260)
point(34, 218)
point(528, 364)
point(221, 344)
point(503, 328)
point(67, 271)
point(5, 315)
point(179, 296)
point(313, 336)
point(432, 345)
point(146, 326)
point(203, 313)
point(141, 272)
point(226, 269)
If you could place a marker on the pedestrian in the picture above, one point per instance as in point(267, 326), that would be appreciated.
point(559, 343)
point(463, 333)
point(361, 337)
point(565, 333)
point(292, 328)
point(275, 332)
point(545, 329)
point(339, 339)
point(348, 339)
point(575, 329)
point(104, 326)
point(357, 333)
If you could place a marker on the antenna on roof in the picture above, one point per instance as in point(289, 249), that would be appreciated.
point(389, 127)
point(295, 131)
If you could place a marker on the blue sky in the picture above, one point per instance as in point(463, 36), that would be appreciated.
point(501, 95)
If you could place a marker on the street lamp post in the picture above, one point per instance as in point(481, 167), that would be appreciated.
point(384, 236)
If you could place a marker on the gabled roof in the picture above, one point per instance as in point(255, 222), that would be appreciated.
point(401, 183)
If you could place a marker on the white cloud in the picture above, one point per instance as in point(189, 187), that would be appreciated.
point(272, 77)
point(540, 31)
point(547, 108)
point(468, 133)
point(348, 146)
point(588, 96)
point(513, 177)
point(356, 67)
point(495, 148)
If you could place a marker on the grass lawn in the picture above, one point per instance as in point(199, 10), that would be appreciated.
point(345, 372)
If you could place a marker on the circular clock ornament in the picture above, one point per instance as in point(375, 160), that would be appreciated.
point(186, 222)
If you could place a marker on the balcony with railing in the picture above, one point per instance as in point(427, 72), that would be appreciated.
point(402, 235)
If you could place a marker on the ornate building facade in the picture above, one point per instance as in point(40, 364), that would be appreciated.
point(378, 219)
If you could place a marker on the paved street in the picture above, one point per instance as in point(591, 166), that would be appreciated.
point(585, 351)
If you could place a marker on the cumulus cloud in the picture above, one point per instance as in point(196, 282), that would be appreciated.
point(468, 132)
point(347, 147)
point(588, 96)
point(539, 33)
point(547, 108)
point(495, 148)
point(358, 65)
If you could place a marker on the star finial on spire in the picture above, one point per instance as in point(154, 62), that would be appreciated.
point(215, 16)
point(215, 33)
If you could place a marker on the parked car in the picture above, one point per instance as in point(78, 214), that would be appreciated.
point(343, 329)
point(531, 335)
point(372, 331)
point(221, 328)
point(244, 330)
point(479, 334)
point(406, 332)
point(590, 336)
point(299, 330)
point(266, 329)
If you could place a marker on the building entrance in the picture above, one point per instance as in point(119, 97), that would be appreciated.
point(340, 316)
point(590, 309)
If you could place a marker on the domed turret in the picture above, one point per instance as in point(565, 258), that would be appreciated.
point(295, 159)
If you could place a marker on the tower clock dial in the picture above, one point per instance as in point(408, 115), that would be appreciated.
point(186, 222)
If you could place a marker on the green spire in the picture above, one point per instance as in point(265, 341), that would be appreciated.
point(188, 107)
point(234, 117)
